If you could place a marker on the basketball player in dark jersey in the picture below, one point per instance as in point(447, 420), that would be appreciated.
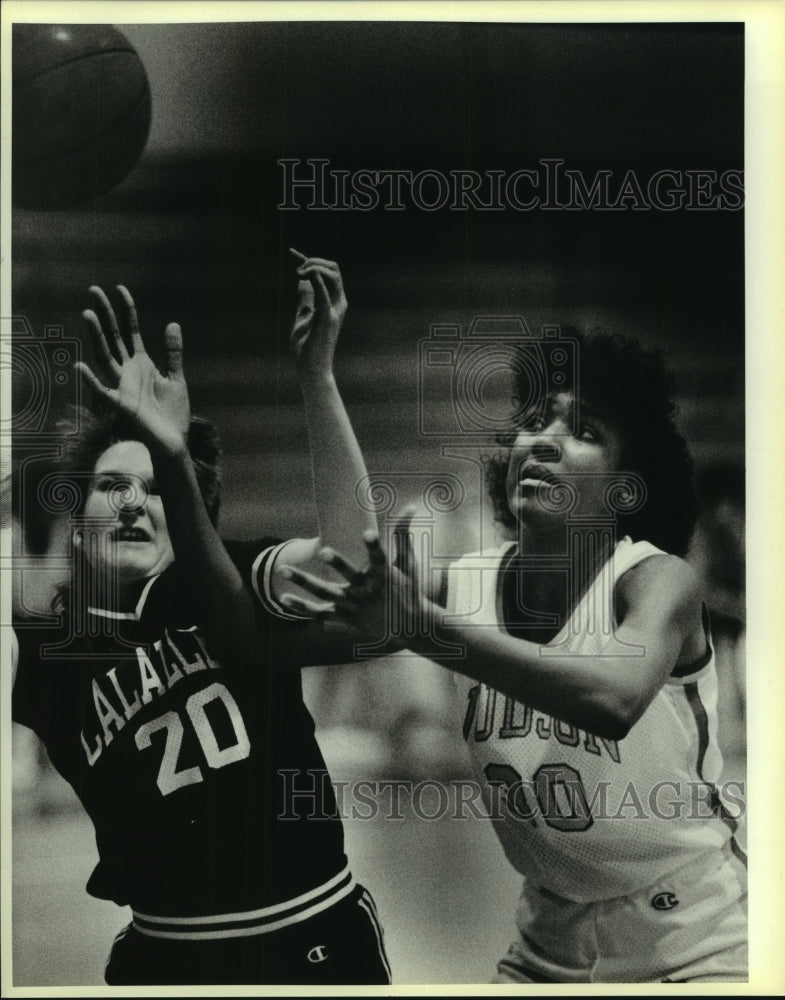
point(168, 693)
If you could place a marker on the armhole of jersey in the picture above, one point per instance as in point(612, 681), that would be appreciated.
point(443, 590)
point(501, 576)
point(686, 670)
point(261, 581)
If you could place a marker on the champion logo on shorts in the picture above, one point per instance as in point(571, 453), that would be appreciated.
point(318, 953)
point(664, 901)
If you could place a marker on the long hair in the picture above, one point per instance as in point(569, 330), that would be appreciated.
point(632, 389)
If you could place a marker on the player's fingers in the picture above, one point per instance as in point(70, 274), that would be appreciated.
point(313, 584)
point(404, 550)
point(303, 606)
point(106, 306)
point(331, 277)
point(377, 557)
point(334, 284)
point(93, 381)
point(304, 294)
point(137, 344)
point(320, 294)
point(108, 359)
point(319, 262)
point(296, 253)
point(354, 576)
point(321, 610)
point(173, 339)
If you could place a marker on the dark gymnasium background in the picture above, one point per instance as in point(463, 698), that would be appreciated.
point(195, 231)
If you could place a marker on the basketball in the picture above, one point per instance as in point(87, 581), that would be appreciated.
point(81, 112)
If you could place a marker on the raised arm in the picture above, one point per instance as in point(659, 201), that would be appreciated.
point(603, 694)
point(337, 463)
point(660, 612)
point(157, 407)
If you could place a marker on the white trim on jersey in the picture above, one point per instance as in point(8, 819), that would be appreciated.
point(261, 581)
point(134, 615)
point(244, 924)
point(261, 573)
point(116, 615)
point(702, 725)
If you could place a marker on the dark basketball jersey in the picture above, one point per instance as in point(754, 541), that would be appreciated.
point(204, 781)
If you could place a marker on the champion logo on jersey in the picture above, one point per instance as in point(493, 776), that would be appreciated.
point(664, 901)
point(318, 953)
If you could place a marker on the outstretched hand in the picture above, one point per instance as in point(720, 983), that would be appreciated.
point(156, 405)
point(383, 601)
point(321, 308)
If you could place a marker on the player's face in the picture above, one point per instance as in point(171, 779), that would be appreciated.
point(556, 449)
point(130, 525)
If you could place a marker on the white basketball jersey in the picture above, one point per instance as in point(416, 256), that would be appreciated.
point(584, 817)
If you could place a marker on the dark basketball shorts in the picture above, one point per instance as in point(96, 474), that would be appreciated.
point(341, 945)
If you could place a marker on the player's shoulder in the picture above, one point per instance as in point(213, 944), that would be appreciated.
point(661, 578)
point(248, 550)
point(660, 567)
point(170, 596)
point(37, 675)
point(29, 632)
point(256, 561)
point(245, 554)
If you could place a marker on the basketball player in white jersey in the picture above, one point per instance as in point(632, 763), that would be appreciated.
point(587, 679)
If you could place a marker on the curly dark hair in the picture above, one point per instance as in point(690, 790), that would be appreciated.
point(85, 434)
point(631, 388)
point(99, 428)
